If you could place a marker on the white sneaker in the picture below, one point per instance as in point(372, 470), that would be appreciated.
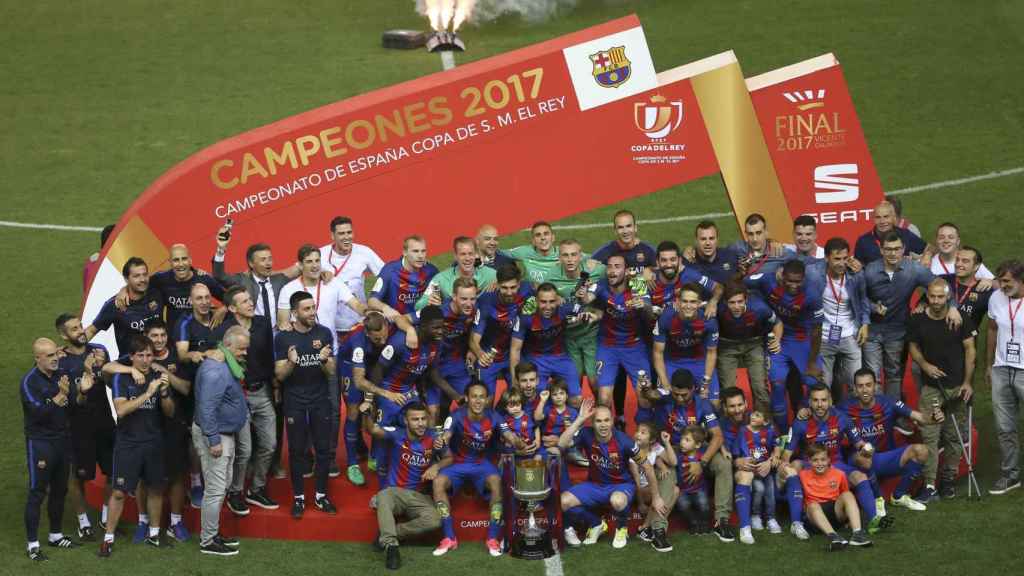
point(594, 533)
point(621, 537)
point(909, 503)
point(746, 536)
point(797, 529)
point(773, 526)
point(571, 538)
point(880, 507)
point(756, 523)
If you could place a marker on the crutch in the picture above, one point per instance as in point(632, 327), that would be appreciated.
point(972, 480)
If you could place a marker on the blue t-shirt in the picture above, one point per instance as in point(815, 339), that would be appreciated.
point(134, 318)
point(306, 386)
point(143, 425)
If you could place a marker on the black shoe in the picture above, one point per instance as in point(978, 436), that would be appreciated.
point(64, 542)
point(835, 543)
point(724, 531)
point(226, 540)
point(106, 549)
point(694, 528)
point(86, 534)
point(237, 504)
point(392, 559)
point(947, 491)
point(217, 548)
point(860, 539)
point(35, 554)
point(324, 504)
point(646, 534)
point(334, 470)
point(660, 542)
point(156, 542)
point(260, 499)
point(298, 507)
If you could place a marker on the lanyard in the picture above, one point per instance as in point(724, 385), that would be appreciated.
point(1013, 314)
point(753, 270)
point(338, 269)
point(944, 267)
point(956, 287)
point(837, 294)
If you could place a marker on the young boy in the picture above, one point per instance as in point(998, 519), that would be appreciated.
point(755, 446)
point(520, 423)
point(693, 493)
point(662, 458)
point(553, 415)
point(828, 500)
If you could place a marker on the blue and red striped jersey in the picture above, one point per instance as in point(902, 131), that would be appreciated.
point(675, 418)
point(408, 458)
point(542, 336)
point(609, 461)
point(686, 339)
point(473, 441)
point(556, 422)
point(829, 431)
point(757, 446)
point(683, 462)
point(495, 320)
point(401, 288)
point(403, 365)
point(798, 312)
point(522, 426)
point(456, 332)
point(620, 326)
point(875, 424)
point(664, 293)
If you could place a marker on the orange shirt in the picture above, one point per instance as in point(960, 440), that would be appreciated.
point(823, 487)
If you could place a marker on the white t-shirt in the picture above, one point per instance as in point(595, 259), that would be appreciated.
point(1008, 340)
point(350, 269)
point(939, 268)
point(819, 251)
point(652, 457)
point(329, 297)
point(840, 313)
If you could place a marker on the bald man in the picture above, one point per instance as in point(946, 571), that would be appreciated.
point(47, 393)
point(869, 245)
point(487, 248)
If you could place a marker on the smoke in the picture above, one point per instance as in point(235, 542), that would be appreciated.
point(440, 12)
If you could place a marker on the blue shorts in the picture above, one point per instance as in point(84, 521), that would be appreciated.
point(489, 375)
point(457, 376)
point(389, 413)
point(696, 368)
point(592, 495)
point(464, 472)
point(561, 366)
point(611, 358)
point(887, 464)
point(794, 354)
point(349, 391)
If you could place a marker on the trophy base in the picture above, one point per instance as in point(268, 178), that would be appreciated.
point(534, 545)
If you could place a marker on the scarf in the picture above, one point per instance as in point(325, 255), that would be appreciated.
point(237, 369)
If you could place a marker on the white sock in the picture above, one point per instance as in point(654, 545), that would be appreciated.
point(55, 536)
point(143, 518)
point(83, 520)
point(108, 537)
point(320, 495)
point(103, 514)
point(197, 479)
point(33, 544)
point(154, 531)
point(301, 497)
point(175, 519)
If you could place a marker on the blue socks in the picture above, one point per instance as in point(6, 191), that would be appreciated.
point(865, 499)
point(580, 515)
point(911, 470)
point(351, 441)
point(795, 498)
point(743, 504)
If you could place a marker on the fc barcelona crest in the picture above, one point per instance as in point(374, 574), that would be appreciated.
point(611, 67)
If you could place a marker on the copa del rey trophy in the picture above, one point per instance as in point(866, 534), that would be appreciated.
point(531, 487)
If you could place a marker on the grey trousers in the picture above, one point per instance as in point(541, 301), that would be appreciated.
point(883, 354)
point(261, 417)
point(216, 478)
point(749, 354)
point(844, 357)
point(1007, 395)
point(417, 508)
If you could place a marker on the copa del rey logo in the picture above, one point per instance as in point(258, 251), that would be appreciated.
point(806, 99)
point(657, 118)
point(611, 67)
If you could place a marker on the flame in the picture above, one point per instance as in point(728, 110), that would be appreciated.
point(442, 13)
